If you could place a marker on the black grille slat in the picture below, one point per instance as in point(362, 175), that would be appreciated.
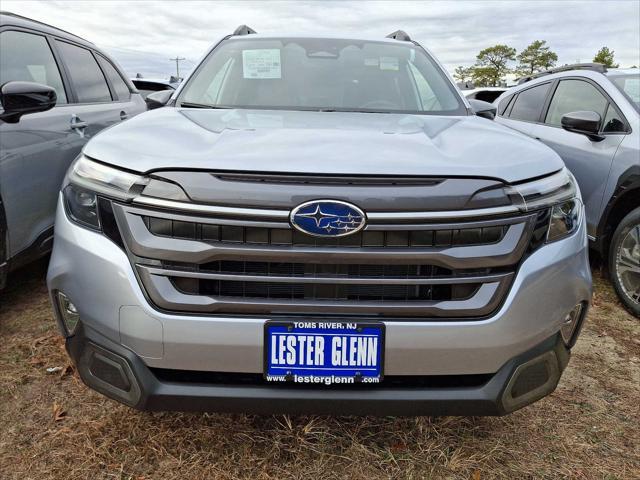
point(233, 234)
point(324, 269)
point(292, 291)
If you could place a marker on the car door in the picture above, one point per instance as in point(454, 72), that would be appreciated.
point(36, 151)
point(589, 159)
point(95, 107)
point(522, 110)
point(126, 104)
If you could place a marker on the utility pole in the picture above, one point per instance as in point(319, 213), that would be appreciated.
point(177, 60)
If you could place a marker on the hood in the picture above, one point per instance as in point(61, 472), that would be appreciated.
point(322, 143)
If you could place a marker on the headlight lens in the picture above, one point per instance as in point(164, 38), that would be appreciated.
point(543, 192)
point(99, 178)
point(564, 219)
point(82, 206)
point(88, 179)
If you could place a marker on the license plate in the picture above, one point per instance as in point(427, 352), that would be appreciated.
point(323, 352)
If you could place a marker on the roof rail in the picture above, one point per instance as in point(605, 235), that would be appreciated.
point(595, 67)
point(400, 35)
point(243, 30)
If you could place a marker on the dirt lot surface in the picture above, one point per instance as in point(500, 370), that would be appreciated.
point(52, 426)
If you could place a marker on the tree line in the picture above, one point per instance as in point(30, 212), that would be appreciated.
point(494, 63)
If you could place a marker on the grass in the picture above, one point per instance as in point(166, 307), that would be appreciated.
point(52, 426)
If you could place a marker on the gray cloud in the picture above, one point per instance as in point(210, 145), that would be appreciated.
point(143, 35)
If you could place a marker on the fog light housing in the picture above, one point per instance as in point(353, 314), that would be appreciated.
point(68, 313)
point(570, 325)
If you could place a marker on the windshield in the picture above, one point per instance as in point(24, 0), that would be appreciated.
point(629, 85)
point(321, 74)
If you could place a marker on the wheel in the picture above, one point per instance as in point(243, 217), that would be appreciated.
point(624, 261)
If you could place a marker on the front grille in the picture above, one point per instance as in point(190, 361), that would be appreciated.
point(287, 236)
point(326, 291)
point(242, 265)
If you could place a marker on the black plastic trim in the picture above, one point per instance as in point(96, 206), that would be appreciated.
point(159, 395)
point(628, 182)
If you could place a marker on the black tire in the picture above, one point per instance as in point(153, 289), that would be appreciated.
point(624, 235)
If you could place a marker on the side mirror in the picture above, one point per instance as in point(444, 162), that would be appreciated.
point(586, 123)
point(158, 99)
point(21, 98)
point(483, 109)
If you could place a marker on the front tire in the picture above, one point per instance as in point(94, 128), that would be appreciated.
point(624, 261)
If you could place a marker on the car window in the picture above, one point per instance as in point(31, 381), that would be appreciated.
point(613, 122)
point(528, 104)
point(629, 85)
point(322, 74)
point(212, 93)
point(119, 85)
point(504, 103)
point(86, 76)
point(575, 96)
point(27, 57)
point(428, 99)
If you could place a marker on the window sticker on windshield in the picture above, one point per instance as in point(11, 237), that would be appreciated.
point(262, 63)
point(389, 63)
point(371, 62)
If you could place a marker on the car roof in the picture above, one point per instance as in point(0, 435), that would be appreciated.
point(8, 18)
point(615, 72)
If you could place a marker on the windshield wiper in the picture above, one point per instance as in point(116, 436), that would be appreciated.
point(202, 105)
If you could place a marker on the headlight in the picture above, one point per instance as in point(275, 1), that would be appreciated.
point(82, 206)
point(544, 192)
point(103, 179)
point(564, 219)
point(87, 179)
point(557, 192)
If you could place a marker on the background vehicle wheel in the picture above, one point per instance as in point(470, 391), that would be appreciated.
point(624, 261)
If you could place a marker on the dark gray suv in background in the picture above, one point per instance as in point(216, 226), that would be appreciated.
point(591, 117)
point(56, 92)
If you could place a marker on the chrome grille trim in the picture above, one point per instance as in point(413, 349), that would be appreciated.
point(166, 296)
point(212, 209)
point(377, 217)
point(325, 279)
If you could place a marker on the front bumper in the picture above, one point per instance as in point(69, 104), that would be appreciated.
point(521, 381)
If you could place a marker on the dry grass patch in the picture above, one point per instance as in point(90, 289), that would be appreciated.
point(52, 426)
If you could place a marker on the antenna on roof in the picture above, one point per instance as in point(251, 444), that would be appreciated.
point(400, 35)
point(244, 30)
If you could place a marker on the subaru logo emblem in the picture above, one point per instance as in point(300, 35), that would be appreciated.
point(327, 218)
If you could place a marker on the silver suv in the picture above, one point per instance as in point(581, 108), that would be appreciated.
point(591, 117)
point(319, 225)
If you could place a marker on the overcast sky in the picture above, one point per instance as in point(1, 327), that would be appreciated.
point(143, 35)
